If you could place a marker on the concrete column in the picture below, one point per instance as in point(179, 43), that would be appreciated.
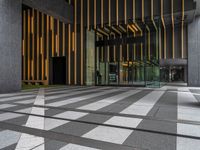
point(10, 45)
point(194, 53)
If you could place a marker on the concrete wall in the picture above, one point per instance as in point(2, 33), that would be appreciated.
point(10, 45)
point(194, 53)
point(90, 58)
point(58, 8)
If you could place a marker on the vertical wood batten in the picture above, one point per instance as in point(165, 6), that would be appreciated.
point(28, 46)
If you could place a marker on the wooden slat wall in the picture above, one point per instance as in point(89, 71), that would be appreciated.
point(43, 37)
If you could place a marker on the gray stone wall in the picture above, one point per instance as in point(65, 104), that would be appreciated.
point(10, 45)
point(194, 53)
point(58, 8)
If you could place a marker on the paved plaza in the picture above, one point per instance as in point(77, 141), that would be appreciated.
point(107, 118)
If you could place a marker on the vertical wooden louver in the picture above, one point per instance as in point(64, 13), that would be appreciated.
point(41, 41)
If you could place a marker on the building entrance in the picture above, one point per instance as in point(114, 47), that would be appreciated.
point(59, 70)
point(124, 55)
point(177, 74)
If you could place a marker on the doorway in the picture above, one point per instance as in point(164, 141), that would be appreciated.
point(177, 74)
point(59, 70)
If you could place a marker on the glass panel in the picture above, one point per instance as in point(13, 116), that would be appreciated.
point(135, 65)
point(102, 75)
point(123, 73)
point(113, 73)
point(139, 75)
point(130, 73)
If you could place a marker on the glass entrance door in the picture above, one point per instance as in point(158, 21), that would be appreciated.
point(113, 73)
point(123, 73)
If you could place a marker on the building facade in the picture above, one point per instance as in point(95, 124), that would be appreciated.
point(105, 42)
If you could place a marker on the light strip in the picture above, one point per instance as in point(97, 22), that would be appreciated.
point(53, 38)
point(102, 14)
point(28, 46)
point(73, 43)
point(122, 28)
point(183, 9)
point(182, 39)
point(58, 38)
point(117, 12)
point(141, 32)
point(24, 45)
point(82, 27)
point(75, 50)
point(102, 32)
point(33, 45)
point(142, 10)
point(42, 48)
point(125, 11)
point(47, 51)
point(163, 22)
point(109, 12)
point(134, 10)
point(116, 30)
point(88, 15)
point(127, 48)
point(130, 27)
point(69, 54)
point(38, 46)
point(152, 10)
point(99, 34)
point(172, 17)
point(95, 14)
point(63, 30)
point(160, 43)
point(121, 57)
point(182, 29)
point(134, 27)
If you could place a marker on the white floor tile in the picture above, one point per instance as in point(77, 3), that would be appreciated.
point(187, 112)
point(16, 98)
point(53, 123)
point(77, 147)
point(78, 99)
point(27, 142)
point(26, 101)
point(71, 115)
point(26, 110)
point(144, 105)
point(71, 94)
point(187, 144)
point(35, 122)
point(124, 121)
point(8, 138)
point(108, 101)
point(108, 134)
point(7, 116)
point(4, 106)
point(188, 129)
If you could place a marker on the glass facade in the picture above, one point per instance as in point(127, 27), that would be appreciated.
point(120, 61)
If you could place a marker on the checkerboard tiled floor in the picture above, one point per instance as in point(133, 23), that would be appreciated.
point(108, 118)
